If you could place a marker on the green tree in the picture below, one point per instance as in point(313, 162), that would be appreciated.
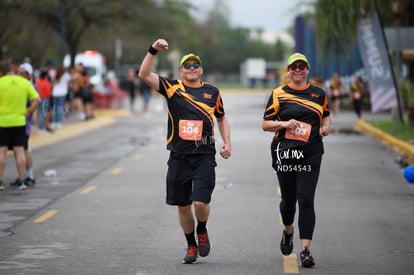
point(279, 50)
point(88, 24)
point(83, 15)
point(8, 25)
point(33, 29)
point(336, 19)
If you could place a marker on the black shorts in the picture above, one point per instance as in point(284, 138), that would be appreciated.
point(25, 146)
point(190, 178)
point(13, 136)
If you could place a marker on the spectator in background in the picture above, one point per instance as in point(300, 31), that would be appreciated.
point(87, 90)
point(72, 86)
point(49, 67)
point(76, 84)
point(145, 90)
point(45, 91)
point(131, 88)
point(26, 70)
point(15, 91)
point(59, 95)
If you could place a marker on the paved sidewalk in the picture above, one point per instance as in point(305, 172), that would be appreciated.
point(72, 128)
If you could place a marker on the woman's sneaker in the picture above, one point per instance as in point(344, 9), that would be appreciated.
point(286, 244)
point(306, 259)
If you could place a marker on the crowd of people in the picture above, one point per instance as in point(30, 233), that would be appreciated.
point(40, 98)
point(64, 92)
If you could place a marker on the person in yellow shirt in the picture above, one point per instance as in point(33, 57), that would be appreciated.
point(15, 91)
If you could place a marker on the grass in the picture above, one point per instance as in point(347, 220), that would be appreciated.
point(396, 129)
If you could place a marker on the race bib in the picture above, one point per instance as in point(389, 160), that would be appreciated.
point(190, 129)
point(301, 133)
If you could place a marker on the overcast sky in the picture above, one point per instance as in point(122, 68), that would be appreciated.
point(270, 15)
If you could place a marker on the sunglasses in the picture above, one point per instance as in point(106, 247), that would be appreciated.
point(301, 67)
point(188, 66)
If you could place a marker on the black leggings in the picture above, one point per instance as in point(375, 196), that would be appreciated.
point(357, 106)
point(297, 180)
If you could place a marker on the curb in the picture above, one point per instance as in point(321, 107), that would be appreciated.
point(404, 149)
point(103, 117)
point(69, 131)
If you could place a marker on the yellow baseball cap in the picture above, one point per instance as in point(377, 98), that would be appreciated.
point(296, 57)
point(190, 56)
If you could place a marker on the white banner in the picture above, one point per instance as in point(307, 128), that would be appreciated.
point(374, 55)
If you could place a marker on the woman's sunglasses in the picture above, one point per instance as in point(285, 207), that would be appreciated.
point(294, 67)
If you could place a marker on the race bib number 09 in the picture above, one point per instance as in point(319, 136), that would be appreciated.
point(301, 133)
point(190, 129)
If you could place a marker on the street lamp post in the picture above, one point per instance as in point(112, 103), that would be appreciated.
point(62, 29)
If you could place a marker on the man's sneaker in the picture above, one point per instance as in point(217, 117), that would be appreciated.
point(2, 187)
point(286, 244)
point(22, 185)
point(191, 256)
point(306, 259)
point(203, 244)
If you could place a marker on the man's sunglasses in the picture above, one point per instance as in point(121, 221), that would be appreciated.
point(188, 66)
point(301, 67)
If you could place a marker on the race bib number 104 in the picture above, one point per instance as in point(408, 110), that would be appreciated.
point(190, 129)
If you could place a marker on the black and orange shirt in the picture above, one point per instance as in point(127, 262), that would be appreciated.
point(309, 106)
point(191, 113)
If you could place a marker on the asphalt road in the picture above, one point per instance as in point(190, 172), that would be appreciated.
point(105, 213)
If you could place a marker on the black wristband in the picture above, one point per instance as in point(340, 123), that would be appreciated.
point(152, 50)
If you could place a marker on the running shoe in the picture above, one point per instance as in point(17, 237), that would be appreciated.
point(306, 259)
point(286, 244)
point(22, 185)
point(191, 256)
point(2, 187)
point(15, 183)
point(203, 244)
point(30, 182)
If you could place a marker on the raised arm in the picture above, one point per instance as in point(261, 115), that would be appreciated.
point(145, 71)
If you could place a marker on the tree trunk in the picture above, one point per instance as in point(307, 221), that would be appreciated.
point(410, 114)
